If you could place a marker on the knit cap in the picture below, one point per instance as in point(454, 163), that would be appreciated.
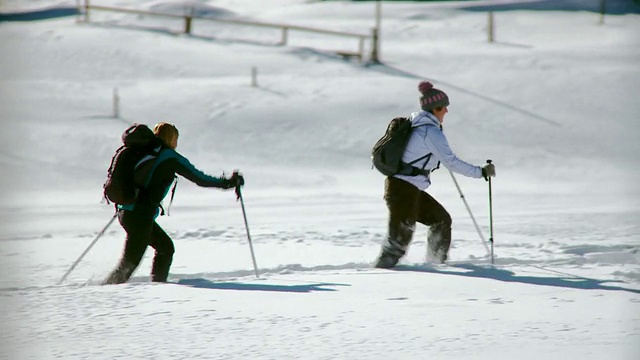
point(431, 97)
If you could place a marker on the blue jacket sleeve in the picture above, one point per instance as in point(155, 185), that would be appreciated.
point(166, 166)
point(185, 169)
point(437, 142)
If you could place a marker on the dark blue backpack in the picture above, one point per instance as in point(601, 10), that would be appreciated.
point(138, 141)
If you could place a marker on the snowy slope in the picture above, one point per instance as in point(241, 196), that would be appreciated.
point(552, 102)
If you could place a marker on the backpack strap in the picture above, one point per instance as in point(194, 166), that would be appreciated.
point(173, 189)
point(152, 168)
point(415, 171)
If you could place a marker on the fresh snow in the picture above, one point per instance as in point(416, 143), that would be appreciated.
point(553, 102)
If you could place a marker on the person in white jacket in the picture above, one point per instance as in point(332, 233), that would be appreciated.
point(404, 195)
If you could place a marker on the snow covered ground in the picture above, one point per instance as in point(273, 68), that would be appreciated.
point(553, 101)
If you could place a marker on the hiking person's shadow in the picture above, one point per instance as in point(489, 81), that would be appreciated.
point(233, 285)
point(489, 272)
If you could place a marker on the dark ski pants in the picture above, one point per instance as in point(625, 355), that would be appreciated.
point(408, 205)
point(142, 231)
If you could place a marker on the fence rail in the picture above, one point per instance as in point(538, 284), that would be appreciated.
point(188, 20)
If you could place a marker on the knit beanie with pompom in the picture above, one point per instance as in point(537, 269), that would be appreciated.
point(431, 97)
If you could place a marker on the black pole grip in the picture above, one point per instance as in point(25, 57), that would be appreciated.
point(237, 189)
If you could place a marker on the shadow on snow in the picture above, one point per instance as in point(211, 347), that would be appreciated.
point(475, 271)
point(612, 7)
point(224, 285)
point(36, 15)
point(393, 71)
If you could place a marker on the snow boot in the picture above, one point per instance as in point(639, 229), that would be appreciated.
point(121, 274)
point(438, 244)
point(160, 267)
point(386, 260)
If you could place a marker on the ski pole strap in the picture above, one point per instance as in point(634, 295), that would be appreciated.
point(173, 193)
point(238, 194)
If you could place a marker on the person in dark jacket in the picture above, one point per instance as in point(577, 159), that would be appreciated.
point(405, 195)
point(154, 175)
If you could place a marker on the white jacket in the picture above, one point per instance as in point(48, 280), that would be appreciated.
point(427, 139)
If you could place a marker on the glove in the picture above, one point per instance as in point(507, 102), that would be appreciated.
point(488, 171)
point(227, 183)
point(234, 181)
point(239, 179)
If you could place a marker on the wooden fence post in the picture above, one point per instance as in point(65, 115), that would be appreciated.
point(254, 76)
point(187, 25)
point(116, 103)
point(285, 35)
point(374, 46)
point(375, 36)
point(490, 28)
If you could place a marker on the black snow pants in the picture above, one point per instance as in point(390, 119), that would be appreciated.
point(142, 231)
point(408, 205)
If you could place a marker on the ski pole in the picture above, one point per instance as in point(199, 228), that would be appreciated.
point(88, 248)
point(490, 216)
point(484, 242)
point(246, 226)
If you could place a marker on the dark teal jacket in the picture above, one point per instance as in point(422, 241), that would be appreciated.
point(155, 175)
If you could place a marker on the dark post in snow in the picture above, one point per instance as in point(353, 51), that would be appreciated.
point(375, 36)
point(86, 10)
point(188, 18)
point(374, 47)
point(116, 103)
point(187, 25)
point(603, 10)
point(285, 35)
point(254, 76)
point(490, 29)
